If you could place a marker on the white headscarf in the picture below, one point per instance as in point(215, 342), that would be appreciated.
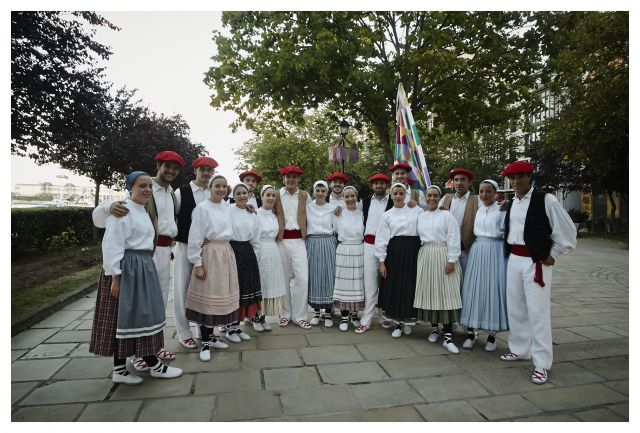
point(320, 182)
point(395, 184)
point(491, 182)
point(264, 188)
point(214, 178)
point(350, 187)
point(435, 187)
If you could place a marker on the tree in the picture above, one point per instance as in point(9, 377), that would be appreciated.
point(474, 69)
point(53, 58)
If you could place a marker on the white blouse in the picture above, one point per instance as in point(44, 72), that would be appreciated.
point(268, 224)
point(134, 231)
point(395, 222)
point(440, 226)
point(208, 221)
point(489, 221)
point(320, 218)
point(246, 227)
point(349, 225)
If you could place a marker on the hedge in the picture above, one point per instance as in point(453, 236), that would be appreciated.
point(47, 229)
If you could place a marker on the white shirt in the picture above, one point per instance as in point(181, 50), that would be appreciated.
point(200, 194)
point(489, 221)
point(395, 222)
point(246, 227)
point(268, 224)
point(349, 225)
point(376, 210)
point(252, 201)
point(439, 225)
point(208, 221)
point(290, 207)
point(421, 198)
point(166, 215)
point(134, 231)
point(563, 230)
point(338, 201)
point(457, 207)
point(320, 218)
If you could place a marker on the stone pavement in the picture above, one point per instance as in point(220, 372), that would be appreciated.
point(326, 375)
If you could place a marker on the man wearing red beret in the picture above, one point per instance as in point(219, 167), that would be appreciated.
point(412, 197)
point(291, 211)
point(338, 181)
point(161, 209)
point(251, 179)
point(537, 230)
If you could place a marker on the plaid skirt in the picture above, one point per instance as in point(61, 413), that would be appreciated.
point(103, 332)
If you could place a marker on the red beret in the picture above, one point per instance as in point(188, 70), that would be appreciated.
point(461, 170)
point(338, 175)
point(290, 169)
point(168, 155)
point(250, 173)
point(204, 161)
point(380, 176)
point(398, 165)
point(518, 167)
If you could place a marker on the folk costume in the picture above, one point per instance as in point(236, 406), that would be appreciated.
point(411, 194)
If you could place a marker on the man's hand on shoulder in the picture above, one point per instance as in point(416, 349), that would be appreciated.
point(118, 209)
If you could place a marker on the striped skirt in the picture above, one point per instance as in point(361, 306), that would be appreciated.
point(398, 289)
point(271, 274)
point(484, 291)
point(348, 291)
point(321, 255)
point(436, 291)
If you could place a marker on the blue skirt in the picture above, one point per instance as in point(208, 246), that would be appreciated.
point(484, 287)
point(321, 255)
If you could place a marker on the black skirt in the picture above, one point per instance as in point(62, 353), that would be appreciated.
point(248, 272)
point(398, 289)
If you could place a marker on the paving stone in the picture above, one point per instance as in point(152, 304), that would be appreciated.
point(243, 346)
point(392, 414)
point(59, 319)
point(31, 338)
point(35, 369)
point(71, 326)
point(15, 354)
point(419, 367)
point(255, 405)
point(331, 417)
point(616, 330)
point(20, 389)
point(386, 350)
point(270, 358)
point(318, 400)
point(59, 412)
point(593, 332)
point(599, 415)
point(450, 411)
point(154, 387)
point(119, 411)
point(422, 347)
point(609, 368)
point(79, 368)
point(354, 372)
point(505, 406)
point(515, 379)
point(564, 417)
point(563, 336)
point(178, 409)
point(82, 304)
point(281, 341)
point(385, 394)
point(574, 397)
point(231, 381)
point(292, 328)
point(82, 351)
point(622, 386)
point(69, 391)
point(71, 337)
point(286, 378)
point(329, 354)
point(448, 388)
point(570, 374)
point(222, 360)
point(50, 350)
point(332, 337)
point(621, 409)
point(84, 324)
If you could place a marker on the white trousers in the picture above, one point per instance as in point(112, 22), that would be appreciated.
point(162, 260)
point(293, 253)
point(182, 275)
point(529, 311)
point(371, 284)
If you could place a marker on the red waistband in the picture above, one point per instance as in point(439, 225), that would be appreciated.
point(292, 234)
point(370, 239)
point(520, 250)
point(164, 241)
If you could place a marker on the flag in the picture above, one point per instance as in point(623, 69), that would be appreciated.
point(408, 146)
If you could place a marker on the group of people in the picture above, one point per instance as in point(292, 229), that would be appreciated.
point(402, 254)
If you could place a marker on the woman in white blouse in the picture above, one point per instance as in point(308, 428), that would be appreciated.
point(438, 281)
point(213, 294)
point(321, 254)
point(396, 248)
point(245, 242)
point(269, 262)
point(348, 292)
point(129, 314)
point(484, 289)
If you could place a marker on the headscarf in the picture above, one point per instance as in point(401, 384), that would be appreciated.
point(265, 188)
point(131, 178)
point(397, 184)
point(435, 187)
point(320, 182)
point(214, 178)
point(238, 185)
point(491, 182)
point(350, 187)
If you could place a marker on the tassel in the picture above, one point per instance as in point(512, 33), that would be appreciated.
point(538, 277)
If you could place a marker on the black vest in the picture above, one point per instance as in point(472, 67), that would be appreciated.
point(366, 204)
point(537, 229)
point(187, 205)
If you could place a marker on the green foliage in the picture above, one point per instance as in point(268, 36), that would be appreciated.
point(66, 239)
point(578, 215)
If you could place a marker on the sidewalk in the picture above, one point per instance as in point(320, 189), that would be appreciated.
point(323, 374)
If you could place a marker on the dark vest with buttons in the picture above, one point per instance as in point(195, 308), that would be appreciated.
point(366, 204)
point(537, 229)
point(187, 205)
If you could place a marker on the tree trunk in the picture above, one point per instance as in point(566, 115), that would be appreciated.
point(613, 210)
point(96, 202)
point(385, 140)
